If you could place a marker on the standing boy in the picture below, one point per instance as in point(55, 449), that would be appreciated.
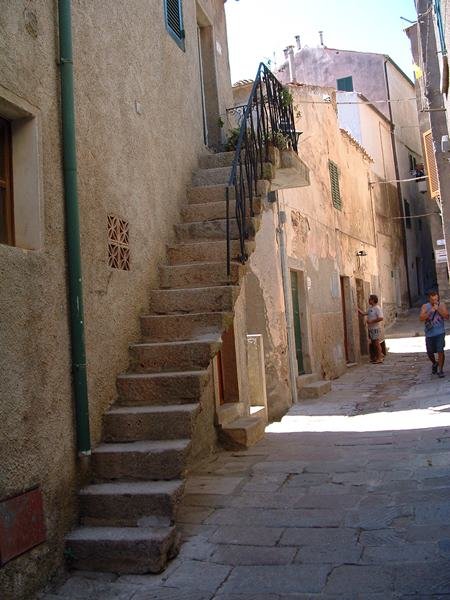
point(375, 319)
point(433, 314)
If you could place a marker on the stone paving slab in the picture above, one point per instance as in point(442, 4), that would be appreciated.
point(346, 498)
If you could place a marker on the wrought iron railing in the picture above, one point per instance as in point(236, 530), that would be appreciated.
point(267, 119)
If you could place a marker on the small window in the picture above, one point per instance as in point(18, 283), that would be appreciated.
point(6, 186)
point(334, 181)
point(407, 215)
point(412, 162)
point(174, 21)
point(345, 84)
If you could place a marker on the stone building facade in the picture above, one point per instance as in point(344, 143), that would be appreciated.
point(147, 104)
point(381, 82)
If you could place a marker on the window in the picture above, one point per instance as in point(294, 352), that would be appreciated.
point(118, 243)
point(345, 84)
point(174, 21)
point(407, 215)
point(334, 181)
point(412, 162)
point(6, 187)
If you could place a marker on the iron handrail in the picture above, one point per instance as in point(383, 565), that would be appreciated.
point(268, 118)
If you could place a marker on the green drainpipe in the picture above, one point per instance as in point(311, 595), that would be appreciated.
point(73, 230)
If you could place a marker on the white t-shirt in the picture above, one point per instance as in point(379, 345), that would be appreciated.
point(375, 312)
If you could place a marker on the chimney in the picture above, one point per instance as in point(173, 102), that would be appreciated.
point(297, 39)
point(321, 38)
point(290, 51)
point(286, 51)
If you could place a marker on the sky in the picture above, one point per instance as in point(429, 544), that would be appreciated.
point(258, 30)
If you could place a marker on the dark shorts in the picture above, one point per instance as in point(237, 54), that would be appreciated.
point(435, 343)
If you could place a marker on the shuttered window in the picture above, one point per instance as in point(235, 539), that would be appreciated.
point(174, 20)
point(430, 162)
point(334, 181)
point(6, 187)
point(345, 84)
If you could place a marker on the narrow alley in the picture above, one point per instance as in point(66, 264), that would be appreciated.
point(347, 497)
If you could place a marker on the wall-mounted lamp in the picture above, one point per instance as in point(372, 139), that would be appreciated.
point(361, 253)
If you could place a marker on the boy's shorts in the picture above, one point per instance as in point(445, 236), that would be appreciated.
point(375, 334)
point(435, 343)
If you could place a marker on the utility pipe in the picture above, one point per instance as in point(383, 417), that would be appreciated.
point(78, 351)
point(281, 215)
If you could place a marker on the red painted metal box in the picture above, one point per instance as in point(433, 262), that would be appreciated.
point(21, 524)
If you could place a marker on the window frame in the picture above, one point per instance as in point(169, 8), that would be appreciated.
point(346, 79)
point(6, 183)
point(333, 171)
point(177, 35)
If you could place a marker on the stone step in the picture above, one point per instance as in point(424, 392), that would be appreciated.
point(209, 193)
point(200, 275)
point(194, 300)
point(187, 355)
point(162, 328)
point(219, 159)
point(303, 380)
point(207, 212)
point(135, 550)
point(315, 389)
point(214, 176)
point(140, 460)
point(130, 504)
point(214, 210)
point(133, 423)
point(208, 230)
point(143, 389)
point(243, 432)
point(203, 251)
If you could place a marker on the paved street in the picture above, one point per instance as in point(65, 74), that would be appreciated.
point(348, 497)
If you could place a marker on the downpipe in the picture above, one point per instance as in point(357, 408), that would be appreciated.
point(78, 351)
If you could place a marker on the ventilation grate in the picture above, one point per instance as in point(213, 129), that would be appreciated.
point(118, 243)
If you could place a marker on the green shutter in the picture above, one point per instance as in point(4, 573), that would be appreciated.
point(345, 84)
point(174, 20)
point(334, 181)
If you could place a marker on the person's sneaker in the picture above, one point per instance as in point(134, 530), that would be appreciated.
point(434, 368)
point(441, 374)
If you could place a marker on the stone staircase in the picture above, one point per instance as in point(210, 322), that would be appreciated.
point(164, 414)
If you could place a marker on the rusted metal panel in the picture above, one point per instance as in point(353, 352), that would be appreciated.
point(22, 524)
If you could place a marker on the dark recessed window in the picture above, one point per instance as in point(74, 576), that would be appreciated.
point(407, 215)
point(6, 187)
point(174, 21)
point(334, 182)
point(345, 84)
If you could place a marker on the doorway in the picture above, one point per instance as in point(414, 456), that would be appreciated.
point(208, 80)
point(361, 302)
point(347, 316)
point(297, 323)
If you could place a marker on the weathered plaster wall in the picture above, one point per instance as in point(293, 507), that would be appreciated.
point(139, 133)
point(265, 312)
point(323, 241)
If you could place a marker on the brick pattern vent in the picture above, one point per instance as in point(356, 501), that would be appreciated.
point(118, 243)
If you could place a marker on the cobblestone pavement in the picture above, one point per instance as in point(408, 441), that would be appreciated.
point(348, 497)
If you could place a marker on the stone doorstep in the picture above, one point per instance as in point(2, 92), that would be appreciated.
point(185, 355)
point(134, 550)
point(315, 390)
point(200, 274)
point(306, 379)
point(171, 388)
point(142, 460)
point(130, 504)
point(134, 423)
point(245, 431)
point(184, 326)
point(193, 300)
